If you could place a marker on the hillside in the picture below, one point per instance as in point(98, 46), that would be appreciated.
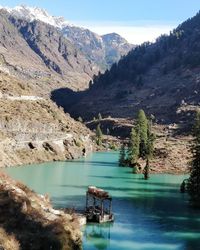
point(33, 129)
point(162, 78)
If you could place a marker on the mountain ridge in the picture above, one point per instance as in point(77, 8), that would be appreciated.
point(90, 43)
point(162, 78)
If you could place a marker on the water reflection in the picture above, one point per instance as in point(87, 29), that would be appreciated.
point(98, 235)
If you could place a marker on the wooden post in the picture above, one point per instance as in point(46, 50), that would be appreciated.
point(110, 207)
point(86, 200)
point(102, 213)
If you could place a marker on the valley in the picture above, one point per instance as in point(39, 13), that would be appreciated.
point(80, 108)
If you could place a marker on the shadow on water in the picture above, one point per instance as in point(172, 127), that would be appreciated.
point(115, 177)
point(126, 189)
point(163, 184)
point(173, 220)
point(93, 163)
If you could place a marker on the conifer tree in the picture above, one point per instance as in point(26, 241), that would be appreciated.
point(149, 151)
point(122, 155)
point(146, 169)
point(141, 129)
point(99, 135)
point(133, 148)
point(99, 116)
point(194, 179)
point(80, 119)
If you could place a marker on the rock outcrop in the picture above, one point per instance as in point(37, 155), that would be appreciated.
point(28, 221)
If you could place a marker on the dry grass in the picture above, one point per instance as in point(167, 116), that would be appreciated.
point(8, 242)
point(32, 221)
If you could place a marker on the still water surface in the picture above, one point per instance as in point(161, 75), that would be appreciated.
point(149, 215)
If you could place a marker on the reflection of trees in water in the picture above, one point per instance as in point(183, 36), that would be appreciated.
point(98, 235)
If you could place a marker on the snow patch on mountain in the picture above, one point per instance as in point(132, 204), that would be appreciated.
point(35, 13)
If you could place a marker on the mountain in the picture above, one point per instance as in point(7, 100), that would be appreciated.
point(34, 13)
point(115, 47)
point(103, 51)
point(41, 54)
point(35, 58)
point(163, 78)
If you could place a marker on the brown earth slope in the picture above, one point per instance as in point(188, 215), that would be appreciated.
point(33, 129)
point(28, 221)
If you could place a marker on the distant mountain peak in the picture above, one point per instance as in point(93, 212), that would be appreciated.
point(114, 38)
point(113, 34)
point(36, 13)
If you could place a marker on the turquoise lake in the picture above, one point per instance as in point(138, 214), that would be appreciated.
point(149, 215)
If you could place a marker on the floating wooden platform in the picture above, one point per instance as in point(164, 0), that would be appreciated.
point(98, 205)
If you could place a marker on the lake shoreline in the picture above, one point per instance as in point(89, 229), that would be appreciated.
point(153, 170)
point(146, 211)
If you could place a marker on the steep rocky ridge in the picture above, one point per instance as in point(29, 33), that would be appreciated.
point(39, 53)
point(103, 51)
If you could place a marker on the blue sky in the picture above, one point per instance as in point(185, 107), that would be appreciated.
point(136, 20)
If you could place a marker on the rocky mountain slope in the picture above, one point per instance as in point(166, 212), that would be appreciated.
point(162, 78)
point(115, 47)
point(28, 221)
point(102, 51)
point(39, 53)
point(33, 129)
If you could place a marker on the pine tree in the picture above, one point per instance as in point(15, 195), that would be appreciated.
point(99, 135)
point(150, 142)
point(149, 151)
point(133, 148)
point(146, 169)
point(122, 155)
point(99, 116)
point(80, 119)
point(141, 128)
point(194, 179)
